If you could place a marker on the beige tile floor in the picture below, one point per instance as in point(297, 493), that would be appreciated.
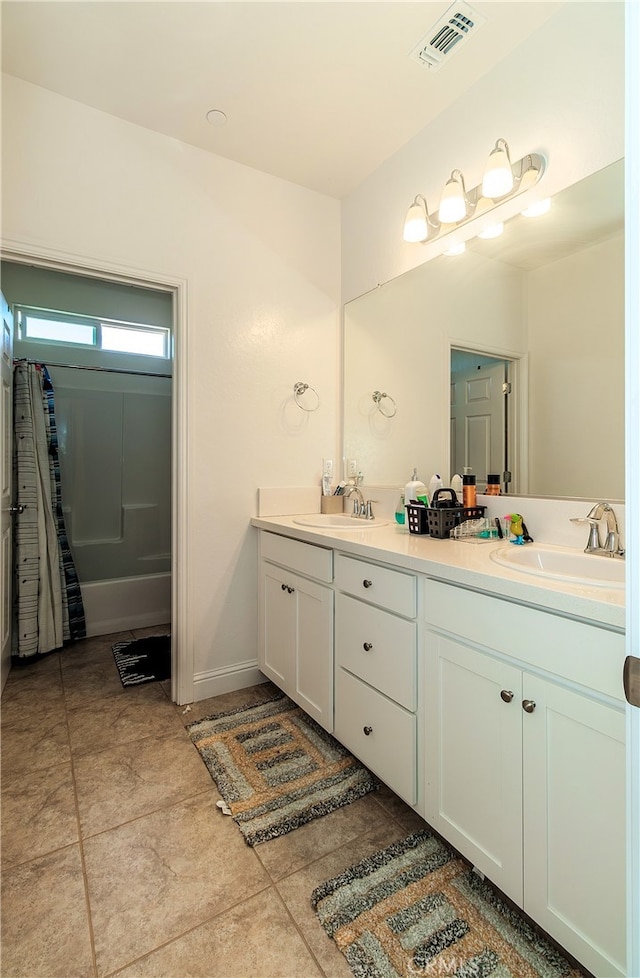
point(115, 859)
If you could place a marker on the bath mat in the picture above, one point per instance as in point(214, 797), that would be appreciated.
point(143, 660)
point(415, 908)
point(276, 768)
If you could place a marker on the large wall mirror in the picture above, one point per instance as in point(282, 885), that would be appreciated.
point(534, 320)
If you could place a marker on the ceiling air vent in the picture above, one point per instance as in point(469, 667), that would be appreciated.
point(454, 28)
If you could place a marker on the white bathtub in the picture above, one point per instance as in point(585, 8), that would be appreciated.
point(127, 603)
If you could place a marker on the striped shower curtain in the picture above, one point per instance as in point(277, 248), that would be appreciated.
point(48, 609)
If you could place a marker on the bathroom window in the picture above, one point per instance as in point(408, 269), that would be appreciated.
point(69, 329)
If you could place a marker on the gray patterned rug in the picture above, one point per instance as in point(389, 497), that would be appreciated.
point(276, 768)
point(415, 908)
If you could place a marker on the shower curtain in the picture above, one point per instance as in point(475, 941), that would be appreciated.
point(48, 609)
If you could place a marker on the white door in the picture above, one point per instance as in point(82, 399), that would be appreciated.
point(478, 415)
point(574, 808)
point(277, 611)
point(313, 689)
point(6, 501)
point(473, 757)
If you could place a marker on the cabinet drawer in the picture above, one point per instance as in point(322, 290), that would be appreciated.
point(305, 558)
point(574, 650)
point(378, 647)
point(383, 586)
point(389, 747)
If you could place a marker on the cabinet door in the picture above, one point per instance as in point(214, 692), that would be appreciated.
point(313, 650)
point(473, 757)
point(277, 626)
point(574, 802)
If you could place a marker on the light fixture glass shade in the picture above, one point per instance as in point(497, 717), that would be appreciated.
point(416, 226)
point(537, 209)
point(455, 249)
point(498, 176)
point(493, 231)
point(453, 207)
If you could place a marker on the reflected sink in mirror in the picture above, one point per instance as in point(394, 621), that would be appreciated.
point(563, 564)
point(338, 521)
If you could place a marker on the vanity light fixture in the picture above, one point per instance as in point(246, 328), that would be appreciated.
point(458, 248)
point(498, 175)
point(459, 206)
point(493, 231)
point(538, 209)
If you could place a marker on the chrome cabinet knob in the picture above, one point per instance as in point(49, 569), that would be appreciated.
point(367, 646)
point(284, 587)
point(506, 695)
point(17, 510)
point(528, 706)
point(367, 731)
point(367, 583)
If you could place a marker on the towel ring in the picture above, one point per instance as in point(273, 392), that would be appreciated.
point(299, 389)
point(379, 396)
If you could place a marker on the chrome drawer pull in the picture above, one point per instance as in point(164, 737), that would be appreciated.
point(367, 646)
point(284, 587)
point(528, 706)
point(506, 695)
point(367, 583)
point(367, 731)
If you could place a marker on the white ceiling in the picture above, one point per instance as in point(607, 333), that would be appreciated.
point(318, 93)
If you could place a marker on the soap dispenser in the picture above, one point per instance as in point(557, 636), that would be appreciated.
point(414, 489)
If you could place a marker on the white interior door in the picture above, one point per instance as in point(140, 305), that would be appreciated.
point(478, 415)
point(6, 500)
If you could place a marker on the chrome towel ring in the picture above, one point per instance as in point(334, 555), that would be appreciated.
point(389, 410)
point(299, 389)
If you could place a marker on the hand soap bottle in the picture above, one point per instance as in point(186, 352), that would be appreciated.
point(401, 513)
point(414, 488)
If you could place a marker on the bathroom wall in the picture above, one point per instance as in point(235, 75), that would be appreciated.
point(261, 260)
point(560, 93)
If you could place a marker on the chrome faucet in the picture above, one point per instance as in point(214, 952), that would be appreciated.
point(359, 507)
point(361, 510)
point(611, 548)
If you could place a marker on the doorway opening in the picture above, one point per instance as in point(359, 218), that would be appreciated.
point(483, 417)
point(174, 550)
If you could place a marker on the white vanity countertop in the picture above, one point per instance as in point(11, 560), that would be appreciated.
point(461, 563)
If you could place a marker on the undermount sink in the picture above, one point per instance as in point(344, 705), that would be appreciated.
point(338, 521)
point(563, 564)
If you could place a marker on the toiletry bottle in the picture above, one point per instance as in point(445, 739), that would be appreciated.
point(435, 483)
point(456, 485)
point(414, 488)
point(468, 490)
point(493, 485)
point(400, 510)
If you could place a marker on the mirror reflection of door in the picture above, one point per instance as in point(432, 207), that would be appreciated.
point(480, 392)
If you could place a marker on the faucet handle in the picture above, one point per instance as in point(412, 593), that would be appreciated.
point(368, 513)
point(356, 507)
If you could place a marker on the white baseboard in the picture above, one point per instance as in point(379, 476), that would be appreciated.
point(213, 682)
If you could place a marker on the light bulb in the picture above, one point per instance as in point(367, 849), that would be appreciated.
point(498, 176)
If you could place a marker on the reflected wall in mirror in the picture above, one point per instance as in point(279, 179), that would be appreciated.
point(548, 296)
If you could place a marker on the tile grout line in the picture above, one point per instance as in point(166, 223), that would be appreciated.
point(85, 879)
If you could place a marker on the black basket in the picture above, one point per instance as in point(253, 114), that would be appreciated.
point(440, 522)
point(417, 518)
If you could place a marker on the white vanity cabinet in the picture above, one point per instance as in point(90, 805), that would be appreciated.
point(376, 670)
point(525, 761)
point(296, 622)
